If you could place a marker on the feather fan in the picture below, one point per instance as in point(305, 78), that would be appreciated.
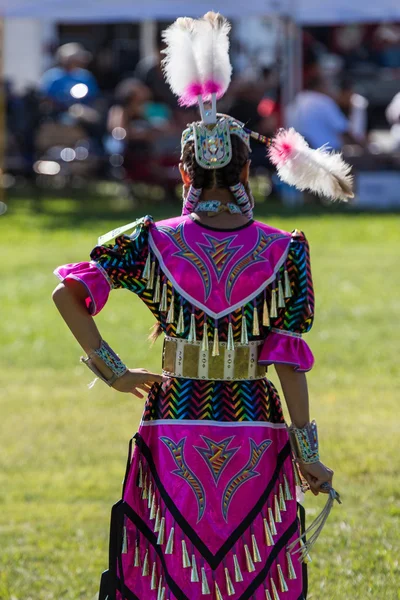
point(320, 171)
point(179, 65)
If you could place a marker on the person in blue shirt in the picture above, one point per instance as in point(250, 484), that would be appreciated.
point(70, 82)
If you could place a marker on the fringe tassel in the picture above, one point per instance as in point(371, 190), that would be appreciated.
point(150, 281)
point(269, 540)
point(281, 299)
point(218, 595)
point(125, 542)
point(146, 567)
point(243, 334)
point(314, 530)
point(156, 297)
point(146, 270)
point(282, 503)
point(170, 544)
point(229, 585)
point(265, 317)
point(164, 298)
point(282, 582)
point(171, 312)
point(204, 342)
point(194, 574)
point(277, 512)
point(215, 350)
point(275, 594)
point(249, 562)
point(273, 312)
point(256, 552)
point(291, 571)
point(231, 344)
point(180, 328)
point(192, 330)
point(185, 556)
point(288, 287)
point(238, 572)
point(288, 493)
point(256, 324)
point(272, 525)
point(153, 583)
point(205, 588)
point(161, 533)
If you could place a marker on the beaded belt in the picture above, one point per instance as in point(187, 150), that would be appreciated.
point(182, 358)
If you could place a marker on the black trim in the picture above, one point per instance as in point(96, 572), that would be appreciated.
point(302, 518)
point(250, 222)
point(213, 559)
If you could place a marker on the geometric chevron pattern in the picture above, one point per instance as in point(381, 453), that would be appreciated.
point(179, 398)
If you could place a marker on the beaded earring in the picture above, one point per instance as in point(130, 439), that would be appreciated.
point(242, 199)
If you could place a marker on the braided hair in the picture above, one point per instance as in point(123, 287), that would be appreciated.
point(221, 178)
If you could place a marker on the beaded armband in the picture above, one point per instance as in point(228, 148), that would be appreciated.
point(304, 442)
point(112, 360)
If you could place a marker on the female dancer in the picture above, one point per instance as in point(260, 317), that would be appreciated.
point(209, 498)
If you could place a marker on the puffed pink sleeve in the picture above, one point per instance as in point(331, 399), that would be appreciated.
point(284, 343)
point(93, 277)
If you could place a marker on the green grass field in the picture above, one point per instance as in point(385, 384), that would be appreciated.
point(63, 447)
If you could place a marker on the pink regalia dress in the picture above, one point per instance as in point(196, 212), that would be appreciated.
point(208, 506)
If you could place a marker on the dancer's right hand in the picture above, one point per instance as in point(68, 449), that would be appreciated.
point(137, 382)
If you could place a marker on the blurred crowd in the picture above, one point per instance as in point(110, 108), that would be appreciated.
point(76, 127)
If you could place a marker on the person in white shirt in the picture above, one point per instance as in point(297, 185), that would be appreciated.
point(317, 116)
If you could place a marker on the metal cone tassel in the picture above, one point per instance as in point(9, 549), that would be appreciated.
point(161, 533)
point(153, 584)
point(218, 595)
point(192, 330)
point(249, 562)
point(277, 512)
point(305, 555)
point(158, 520)
point(231, 344)
point(269, 540)
point(150, 281)
point(145, 490)
point(150, 495)
point(243, 333)
point(215, 350)
point(157, 289)
point(194, 574)
point(146, 566)
point(282, 582)
point(171, 312)
point(159, 591)
point(180, 327)
point(185, 556)
point(288, 493)
point(140, 477)
point(153, 507)
point(238, 572)
point(146, 270)
point(297, 477)
point(256, 552)
point(288, 288)
point(265, 318)
point(162, 595)
point(205, 588)
point(282, 503)
point(164, 298)
point(229, 585)
point(256, 324)
point(267, 595)
point(273, 311)
point(204, 342)
point(291, 571)
point(136, 562)
point(125, 542)
point(170, 544)
point(275, 594)
point(281, 299)
point(272, 525)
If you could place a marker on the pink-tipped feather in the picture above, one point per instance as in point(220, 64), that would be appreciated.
point(320, 171)
point(212, 87)
point(191, 94)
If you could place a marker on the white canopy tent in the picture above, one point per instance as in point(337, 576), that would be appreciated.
point(316, 12)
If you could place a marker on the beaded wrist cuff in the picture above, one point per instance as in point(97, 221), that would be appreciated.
point(305, 442)
point(112, 360)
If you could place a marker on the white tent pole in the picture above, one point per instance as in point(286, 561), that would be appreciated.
point(147, 40)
